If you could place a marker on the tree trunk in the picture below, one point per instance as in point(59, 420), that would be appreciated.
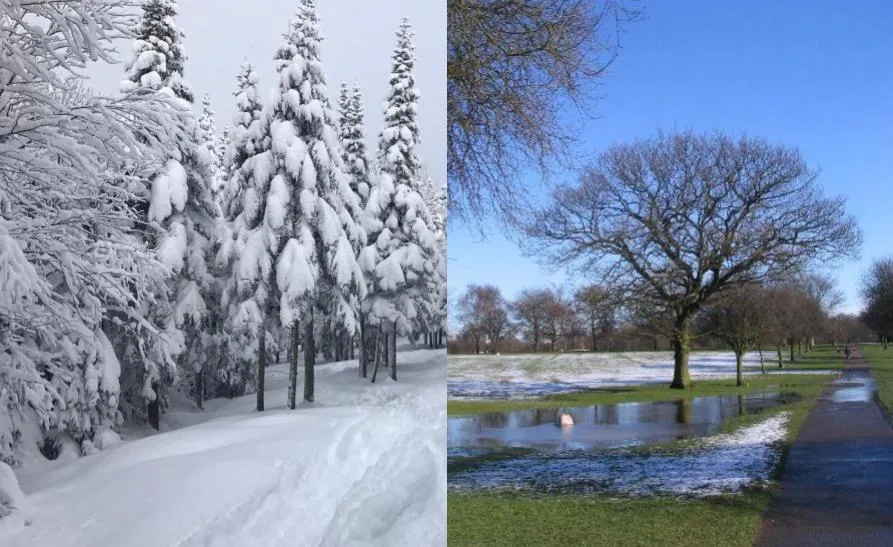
point(377, 350)
point(884, 341)
point(293, 366)
point(155, 408)
point(791, 344)
point(780, 359)
point(799, 346)
point(681, 349)
point(200, 389)
point(594, 339)
point(309, 358)
point(362, 347)
point(261, 368)
point(762, 364)
point(392, 352)
point(739, 368)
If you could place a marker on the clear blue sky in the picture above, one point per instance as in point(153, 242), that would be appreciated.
point(815, 75)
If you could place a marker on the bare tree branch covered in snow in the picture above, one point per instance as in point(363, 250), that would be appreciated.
point(69, 256)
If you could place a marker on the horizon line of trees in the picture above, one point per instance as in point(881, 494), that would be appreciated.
point(785, 319)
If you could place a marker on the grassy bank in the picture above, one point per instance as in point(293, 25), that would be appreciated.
point(881, 363)
point(520, 519)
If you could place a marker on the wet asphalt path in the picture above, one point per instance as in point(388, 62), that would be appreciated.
point(837, 486)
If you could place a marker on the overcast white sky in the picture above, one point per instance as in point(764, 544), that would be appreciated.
point(358, 39)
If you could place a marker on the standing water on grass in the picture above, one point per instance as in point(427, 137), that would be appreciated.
point(604, 425)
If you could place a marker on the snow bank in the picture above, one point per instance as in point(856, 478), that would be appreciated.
point(534, 375)
point(363, 466)
point(15, 511)
point(722, 464)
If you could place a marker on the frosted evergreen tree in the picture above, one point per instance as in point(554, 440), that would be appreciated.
point(246, 297)
point(69, 261)
point(356, 168)
point(211, 144)
point(158, 55)
point(353, 142)
point(181, 211)
point(436, 201)
point(400, 260)
point(244, 141)
point(222, 152)
point(307, 230)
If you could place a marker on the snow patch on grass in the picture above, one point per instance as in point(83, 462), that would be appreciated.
point(536, 375)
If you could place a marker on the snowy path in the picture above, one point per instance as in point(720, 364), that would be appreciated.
point(366, 465)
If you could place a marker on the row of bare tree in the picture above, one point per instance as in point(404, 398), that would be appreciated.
point(785, 317)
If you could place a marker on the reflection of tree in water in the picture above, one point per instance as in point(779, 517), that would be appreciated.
point(494, 419)
point(684, 409)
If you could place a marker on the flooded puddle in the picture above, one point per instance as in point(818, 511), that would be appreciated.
point(511, 390)
point(854, 389)
point(603, 426)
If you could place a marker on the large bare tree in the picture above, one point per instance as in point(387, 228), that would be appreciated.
point(681, 217)
point(512, 67)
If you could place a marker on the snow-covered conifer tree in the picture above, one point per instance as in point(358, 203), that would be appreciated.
point(181, 209)
point(308, 231)
point(436, 201)
point(246, 296)
point(353, 142)
point(158, 55)
point(400, 259)
point(357, 169)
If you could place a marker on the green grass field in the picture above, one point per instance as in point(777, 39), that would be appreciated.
point(881, 363)
point(478, 519)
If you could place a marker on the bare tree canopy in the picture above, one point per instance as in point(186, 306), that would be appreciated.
point(484, 315)
point(511, 67)
point(681, 217)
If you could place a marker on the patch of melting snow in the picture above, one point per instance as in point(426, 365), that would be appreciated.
point(721, 464)
point(536, 375)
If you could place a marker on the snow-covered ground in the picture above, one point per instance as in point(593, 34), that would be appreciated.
point(531, 375)
point(364, 465)
point(720, 464)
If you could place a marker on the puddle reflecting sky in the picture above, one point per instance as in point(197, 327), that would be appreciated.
point(603, 426)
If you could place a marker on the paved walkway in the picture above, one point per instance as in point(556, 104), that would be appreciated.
point(837, 486)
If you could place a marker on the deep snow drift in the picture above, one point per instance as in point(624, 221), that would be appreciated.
point(535, 375)
point(364, 465)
